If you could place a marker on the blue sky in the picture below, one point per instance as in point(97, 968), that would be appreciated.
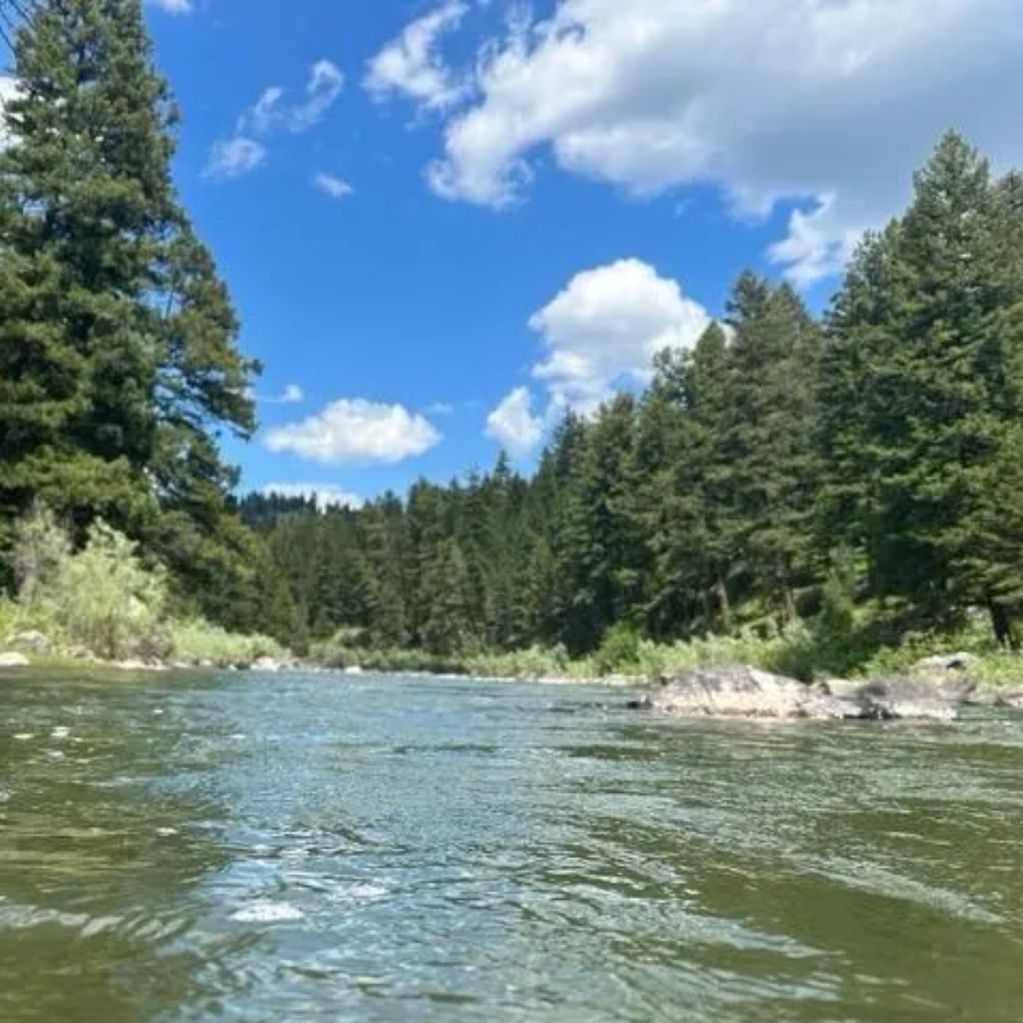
point(444, 222)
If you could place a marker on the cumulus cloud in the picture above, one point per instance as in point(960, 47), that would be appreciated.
point(513, 425)
point(606, 326)
point(231, 158)
point(411, 65)
point(332, 185)
point(599, 333)
point(828, 104)
point(174, 6)
point(326, 495)
point(356, 430)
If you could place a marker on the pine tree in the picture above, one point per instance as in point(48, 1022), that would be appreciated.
point(118, 359)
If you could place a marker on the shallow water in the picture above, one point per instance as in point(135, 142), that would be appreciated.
point(290, 848)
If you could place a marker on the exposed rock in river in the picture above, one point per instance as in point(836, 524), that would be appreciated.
point(13, 660)
point(744, 692)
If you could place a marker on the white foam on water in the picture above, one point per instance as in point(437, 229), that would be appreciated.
point(24, 737)
point(367, 891)
point(268, 913)
point(167, 832)
point(60, 732)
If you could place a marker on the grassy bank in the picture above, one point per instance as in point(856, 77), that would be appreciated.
point(801, 651)
point(105, 603)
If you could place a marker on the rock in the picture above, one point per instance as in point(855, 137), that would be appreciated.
point(744, 692)
point(896, 699)
point(1012, 700)
point(139, 665)
point(82, 653)
point(32, 641)
point(13, 660)
point(267, 664)
point(355, 669)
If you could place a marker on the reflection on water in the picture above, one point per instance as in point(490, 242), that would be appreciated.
point(316, 848)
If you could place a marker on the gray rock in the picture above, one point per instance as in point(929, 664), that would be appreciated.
point(32, 641)
point(744, 692)
point(1012, 700)
point(13, 659)
point(268, 664)
point(896, 699)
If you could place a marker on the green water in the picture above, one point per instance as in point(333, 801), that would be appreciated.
point(317, 848)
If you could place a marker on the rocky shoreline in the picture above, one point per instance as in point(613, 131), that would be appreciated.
point(936, 690)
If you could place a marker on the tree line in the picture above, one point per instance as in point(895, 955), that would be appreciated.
point(876, 451)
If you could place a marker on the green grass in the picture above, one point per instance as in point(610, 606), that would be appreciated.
point(198, 641)
point(865, 651)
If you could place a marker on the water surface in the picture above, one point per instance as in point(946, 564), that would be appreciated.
point(292, 848)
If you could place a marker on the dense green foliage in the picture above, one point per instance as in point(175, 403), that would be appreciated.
point(784, 470)
point(118, 363)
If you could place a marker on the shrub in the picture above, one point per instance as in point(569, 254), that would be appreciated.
point(619, 650)
point(104, 598)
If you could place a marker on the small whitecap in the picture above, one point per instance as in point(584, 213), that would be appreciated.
point(24, 737)
point(268, 913)
point(367, 891)
point(60, 732)
point(55, 754)
point(167, 832)
point(157, 711)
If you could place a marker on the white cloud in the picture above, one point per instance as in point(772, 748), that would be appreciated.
point(356, 430)
point(513, 425)
point(174, 6)
point(231, 158)
point(330, 184)
point(327, 495)
point(441, 408)
point(272, 113)
point(606, 326)
point(411, 66)
point(292, 394)
point(828, 103)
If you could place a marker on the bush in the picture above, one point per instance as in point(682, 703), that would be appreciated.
point(105, 599)
point(196, 641)
point(619, 650)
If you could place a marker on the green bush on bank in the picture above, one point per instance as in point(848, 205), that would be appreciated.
point(105, 600)
point(198, 641)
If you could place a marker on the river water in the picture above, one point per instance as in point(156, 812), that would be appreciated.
point(291, 848)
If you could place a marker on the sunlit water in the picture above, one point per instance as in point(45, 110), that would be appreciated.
point(289, 848)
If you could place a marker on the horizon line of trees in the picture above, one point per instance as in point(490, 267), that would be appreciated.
point(879, 449)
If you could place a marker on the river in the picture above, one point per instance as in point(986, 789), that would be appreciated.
point(290, 848)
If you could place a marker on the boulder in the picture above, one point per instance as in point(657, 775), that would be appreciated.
point(743, 692)
point(266, 664)
point(13, 659)
point(894, 699)
point(1013, 700)
point(32, 641)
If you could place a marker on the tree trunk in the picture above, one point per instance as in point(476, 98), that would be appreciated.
point(1001, 622)
point(724, 605)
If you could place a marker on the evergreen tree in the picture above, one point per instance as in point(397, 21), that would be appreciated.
point(117, 353)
